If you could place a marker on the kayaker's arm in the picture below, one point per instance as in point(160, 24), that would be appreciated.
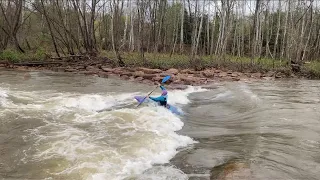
point(157, 99)
point(162, 87)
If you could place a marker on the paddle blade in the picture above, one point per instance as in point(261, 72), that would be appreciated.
point(165, 79)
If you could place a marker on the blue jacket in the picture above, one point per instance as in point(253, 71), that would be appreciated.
point(162, 98)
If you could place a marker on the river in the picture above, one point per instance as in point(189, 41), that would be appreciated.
point(65, 126)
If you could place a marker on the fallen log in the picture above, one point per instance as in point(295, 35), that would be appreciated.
point(70, 56)
point(35, 63)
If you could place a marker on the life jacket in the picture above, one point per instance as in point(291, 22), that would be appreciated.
point(164, 102)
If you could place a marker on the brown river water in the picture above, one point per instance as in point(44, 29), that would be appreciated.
point(65, 126)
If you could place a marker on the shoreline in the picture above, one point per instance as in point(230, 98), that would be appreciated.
point(180, 78)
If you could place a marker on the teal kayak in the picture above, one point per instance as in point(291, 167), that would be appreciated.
point(169, 107)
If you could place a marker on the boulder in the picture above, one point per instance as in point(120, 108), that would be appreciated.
point(208, 73)
point(117, 71)
point(231, 170)
point(138, 74)
point(149, 76)
point(126, 73)
point(26, 76)
point(234, 74)
point(149, 71)
point(157, 79)
point(79, 67)
point(256, 75)
point(236, 78)
point(125, 77)
point(217, 71)
point(178, 86)
point(187, 71)
point(223, 74)
point(172, 71)
point(269, 74)
point(189, 80)
point(106, 69)
point(139, 78)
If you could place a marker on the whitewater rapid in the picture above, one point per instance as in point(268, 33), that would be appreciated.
point(98, 135)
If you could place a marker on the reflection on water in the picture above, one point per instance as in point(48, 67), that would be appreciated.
point(79, 127)
point(270, 127)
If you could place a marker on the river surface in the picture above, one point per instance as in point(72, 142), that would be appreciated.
point(65, 126)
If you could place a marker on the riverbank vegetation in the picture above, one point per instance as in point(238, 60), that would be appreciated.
point(260, 35)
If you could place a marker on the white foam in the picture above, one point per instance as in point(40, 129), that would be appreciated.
point(3, 97)
point(3, 93)
point(108, 145)
point(94, 102)
point(181, 96)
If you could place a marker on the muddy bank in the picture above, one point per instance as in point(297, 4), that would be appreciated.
point(179, 77)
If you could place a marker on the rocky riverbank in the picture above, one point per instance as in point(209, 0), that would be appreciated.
point(179, 77)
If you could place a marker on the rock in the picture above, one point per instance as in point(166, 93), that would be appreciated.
point(234, 74)
point(223, 74)
point(187, 71)
point(26, 76)
point(125, 77)
point(270, 74)
point(210, 86)
point(126, 73)
point(208, 73)
point(267, 78)
point(231, 170)
point(163, 74)
point(88, 68)
point(106, 69)
point(117, 71)
point(79, 67)
point(189, 80)
point(236, 78)
point(149, 76)
point(256, 75)
point(89, 72)
point(146, 81)
point(138, 74)
point(178, 86)
point(70, 70)
point(227, 78)
point(279, 75)
point(58, 69)
point(172, 71)
point(103, 74)
point(157, 79)
point(149, 71)
point(129, 69)
point(139, 79)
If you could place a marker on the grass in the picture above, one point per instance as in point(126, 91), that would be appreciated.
point(165, 61)
point(312, 69)
point(14, 56)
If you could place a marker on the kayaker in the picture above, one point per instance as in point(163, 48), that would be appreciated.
point(162, 100)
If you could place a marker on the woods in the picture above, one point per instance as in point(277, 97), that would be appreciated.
point(282, 31)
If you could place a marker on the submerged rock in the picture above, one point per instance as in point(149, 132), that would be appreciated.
point(231, 171)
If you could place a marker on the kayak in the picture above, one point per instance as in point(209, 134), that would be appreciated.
point(173, 109)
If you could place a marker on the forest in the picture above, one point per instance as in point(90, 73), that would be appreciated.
point(264, 33)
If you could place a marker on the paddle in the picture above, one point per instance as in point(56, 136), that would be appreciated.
point(163, 81)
